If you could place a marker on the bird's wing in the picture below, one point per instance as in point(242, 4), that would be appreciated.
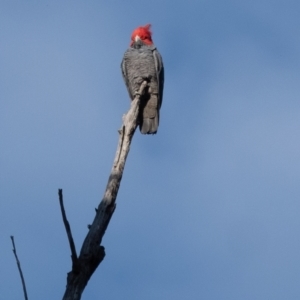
point(159, 67)
point(125, 76)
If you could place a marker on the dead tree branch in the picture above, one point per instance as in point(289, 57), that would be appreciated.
point(68, 228)
point(19, 267)
point(92, 253)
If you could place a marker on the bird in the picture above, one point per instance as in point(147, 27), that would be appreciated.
point(142, 62)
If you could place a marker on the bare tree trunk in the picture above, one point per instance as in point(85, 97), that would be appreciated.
point(92, 253)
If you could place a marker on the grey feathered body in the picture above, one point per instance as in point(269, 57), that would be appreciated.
point(142, 62)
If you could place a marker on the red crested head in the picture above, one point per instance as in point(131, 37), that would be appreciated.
point(143, 33)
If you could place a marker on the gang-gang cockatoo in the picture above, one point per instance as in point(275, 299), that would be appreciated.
point(142, 62)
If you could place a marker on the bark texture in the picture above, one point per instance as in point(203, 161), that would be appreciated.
point(92, 253)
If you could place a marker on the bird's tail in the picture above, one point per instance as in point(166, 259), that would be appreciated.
point(149, 125)
point(149, 116)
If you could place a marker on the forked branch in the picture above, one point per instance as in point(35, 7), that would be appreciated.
point(92, 253)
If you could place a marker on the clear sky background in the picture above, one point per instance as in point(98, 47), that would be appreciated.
point(208, 208)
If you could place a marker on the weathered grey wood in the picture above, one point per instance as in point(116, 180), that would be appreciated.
point(92, 253)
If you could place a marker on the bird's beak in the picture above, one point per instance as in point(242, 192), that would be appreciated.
point(137, 38)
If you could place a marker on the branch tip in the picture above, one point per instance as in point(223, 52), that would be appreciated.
point(19, 267)
point(67, 227)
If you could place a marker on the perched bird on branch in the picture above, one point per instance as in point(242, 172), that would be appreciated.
point(142, 62)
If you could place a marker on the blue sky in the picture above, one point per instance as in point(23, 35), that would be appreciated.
point(209, 207)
